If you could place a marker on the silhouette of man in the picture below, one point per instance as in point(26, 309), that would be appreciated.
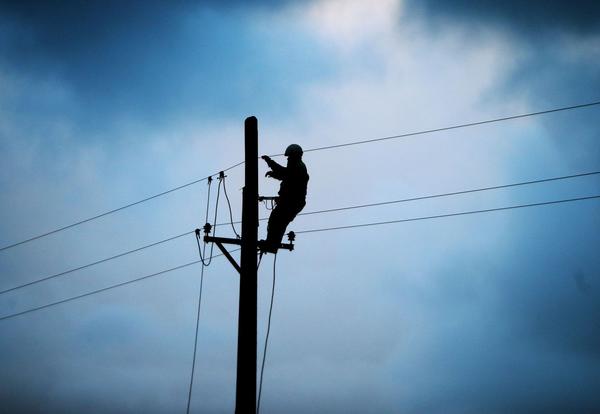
point(292, 194)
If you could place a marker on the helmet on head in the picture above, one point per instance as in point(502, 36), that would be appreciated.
point(293, 150)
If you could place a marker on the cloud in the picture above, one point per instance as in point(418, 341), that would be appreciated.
point(424, 317)
point(553, 45)
point(157, 61)
point(529, 19)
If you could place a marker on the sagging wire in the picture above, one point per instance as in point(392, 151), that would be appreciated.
point(205, 263)
point(229, 206)
point(207, 227)
point(269, 204)
point(195, 340)
point(262, 368)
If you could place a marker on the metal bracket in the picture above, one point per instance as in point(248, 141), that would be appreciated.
point(219, 241)
point(285, 246)
point(223, 240)
point(265, 198)
point(229, 257)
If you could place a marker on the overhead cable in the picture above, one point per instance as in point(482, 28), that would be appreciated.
point(453, 193)
point(554, 202)
point(430, 196)
point(97, 262)
point(189, 400)
point(473, 190)
point(202, 250)
point(462, 213)
point(77, 223)
point(366, 141)
point(208, 226)
point(202, 254)
point(451, 127)
point(229, 207)
point(264, 358)
point(93, 292)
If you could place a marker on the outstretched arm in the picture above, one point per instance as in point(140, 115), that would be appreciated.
point(278, 171)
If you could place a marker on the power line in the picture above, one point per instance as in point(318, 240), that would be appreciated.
point(462, 213)
point(233, 166)
point(93, 292)
point(473, 190)
point(428, 131)
point(116, 256)
point(202, 254)
point(195, 339)
point(212, 246)
point(202, 251)
point(262, 368)
point(448, 128)
point(135, 203)
point(425, 197)
point(312, 231)
point(77, 223)
point(230, 212)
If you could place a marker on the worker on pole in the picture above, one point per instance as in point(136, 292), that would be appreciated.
point(292, 195)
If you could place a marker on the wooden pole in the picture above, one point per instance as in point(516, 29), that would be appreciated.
point(245, 397)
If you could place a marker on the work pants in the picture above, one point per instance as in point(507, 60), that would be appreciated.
point(280, 217)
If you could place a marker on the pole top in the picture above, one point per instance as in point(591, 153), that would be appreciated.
point(251, 119)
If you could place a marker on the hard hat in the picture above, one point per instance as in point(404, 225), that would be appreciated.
point(293, 150)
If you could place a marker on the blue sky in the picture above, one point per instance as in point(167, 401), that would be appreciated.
point(106, 103)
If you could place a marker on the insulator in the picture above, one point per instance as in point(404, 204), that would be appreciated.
point(291, 236)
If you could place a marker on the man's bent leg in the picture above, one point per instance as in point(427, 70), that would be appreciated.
point(281, 216)
point(277, 224)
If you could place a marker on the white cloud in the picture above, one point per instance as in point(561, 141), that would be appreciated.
point(347, 24)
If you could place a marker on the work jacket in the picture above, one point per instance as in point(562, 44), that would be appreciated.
point(294, 181)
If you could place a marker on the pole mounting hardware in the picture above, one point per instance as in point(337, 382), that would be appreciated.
point(266, 198)
point(291, 236)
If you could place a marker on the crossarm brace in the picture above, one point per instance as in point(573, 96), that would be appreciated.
point(229, 257)
point(219, 242)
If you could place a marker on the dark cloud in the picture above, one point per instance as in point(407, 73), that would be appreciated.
point(435, 338)
point(524, 17)
point(68, 28)
point(71, 30)
point(154, 59)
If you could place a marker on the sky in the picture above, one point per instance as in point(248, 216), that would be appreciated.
point(106, 103)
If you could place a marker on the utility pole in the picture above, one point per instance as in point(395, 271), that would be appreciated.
point(245, 393)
